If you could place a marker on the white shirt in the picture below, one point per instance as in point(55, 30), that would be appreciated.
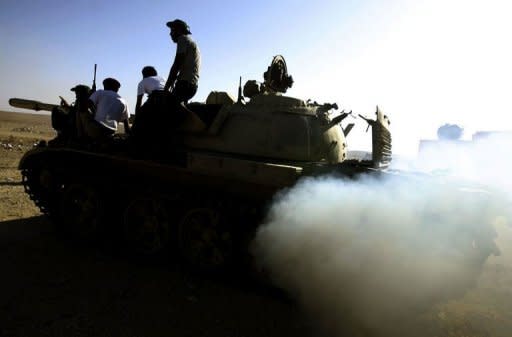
point(148, 84)
point(110, 108)
point(190, 69)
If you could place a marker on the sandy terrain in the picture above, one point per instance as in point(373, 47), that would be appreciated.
point(18, 133)
point(52, 287)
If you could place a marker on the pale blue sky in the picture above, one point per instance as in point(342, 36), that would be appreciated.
point(423, 62)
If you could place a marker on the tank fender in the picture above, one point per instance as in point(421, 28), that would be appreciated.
point(219, 120)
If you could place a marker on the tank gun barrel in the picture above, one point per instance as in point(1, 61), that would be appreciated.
point(31, 104)
point(341, 117)
point(338, 119)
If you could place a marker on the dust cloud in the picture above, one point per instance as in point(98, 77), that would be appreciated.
point(369, 257)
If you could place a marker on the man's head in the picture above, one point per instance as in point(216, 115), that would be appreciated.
point(178, 28)
point(111, 84)
point(81, 90)
point(148, 71)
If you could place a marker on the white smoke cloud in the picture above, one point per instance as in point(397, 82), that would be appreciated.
point(366, 257)
point(485, 159)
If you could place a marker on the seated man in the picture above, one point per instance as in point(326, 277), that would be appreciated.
point(65, 117)
point(150, 82)
point(108, 109)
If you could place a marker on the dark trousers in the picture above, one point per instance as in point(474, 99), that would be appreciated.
point(162, 114)
point(93, 129)
point(156, 117)
point(183, 91)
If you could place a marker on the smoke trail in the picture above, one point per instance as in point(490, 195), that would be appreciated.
point(367, 257)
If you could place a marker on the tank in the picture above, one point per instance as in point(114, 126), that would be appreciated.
point(200, 191)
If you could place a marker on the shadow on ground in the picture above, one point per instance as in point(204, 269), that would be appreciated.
point(53, 287)
point(11, 183)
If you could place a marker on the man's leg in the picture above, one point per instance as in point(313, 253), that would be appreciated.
point(183, 91)
point(92, 129)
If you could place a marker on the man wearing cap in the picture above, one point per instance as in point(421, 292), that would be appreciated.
point(184, 74)
point(108, 108)
point(65, 117)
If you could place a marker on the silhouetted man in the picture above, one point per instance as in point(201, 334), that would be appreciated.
point(65, 117)
point(150, 82)
point(184, 74)
point(108, 109)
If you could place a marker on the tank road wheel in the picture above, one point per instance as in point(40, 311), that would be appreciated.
point(80, 211)
point(146, 225)
point(42, 186)
point(205, 240)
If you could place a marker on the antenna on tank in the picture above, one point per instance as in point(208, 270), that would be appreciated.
point(239, 100)
point(94, 78)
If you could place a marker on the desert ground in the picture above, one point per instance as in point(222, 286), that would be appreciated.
point(53, 287)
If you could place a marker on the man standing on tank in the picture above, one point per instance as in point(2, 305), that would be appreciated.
point(184, 74)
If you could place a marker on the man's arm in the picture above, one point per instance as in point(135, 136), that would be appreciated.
point(126, 120)
point(138, 104)
point(92, 107)
point(173, 73)
point(127, 128)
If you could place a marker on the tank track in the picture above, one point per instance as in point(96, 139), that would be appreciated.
point(47, 189)
point(32, 186)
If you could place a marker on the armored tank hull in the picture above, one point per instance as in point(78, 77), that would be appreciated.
point(203, 205)
point(200, 193)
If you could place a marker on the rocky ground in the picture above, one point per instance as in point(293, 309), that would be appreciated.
point(53, 287)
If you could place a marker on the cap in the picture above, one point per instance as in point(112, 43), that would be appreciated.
point(81, 88)
point(179, 24)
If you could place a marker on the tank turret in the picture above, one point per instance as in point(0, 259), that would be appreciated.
point(267, 124)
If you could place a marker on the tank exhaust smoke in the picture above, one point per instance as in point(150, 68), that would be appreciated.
point(378, 257)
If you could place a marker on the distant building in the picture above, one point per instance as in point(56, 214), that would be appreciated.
point(443, 144)
point(450, 132)
point(427, 145)
point(505, 135)
point(455, 155)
